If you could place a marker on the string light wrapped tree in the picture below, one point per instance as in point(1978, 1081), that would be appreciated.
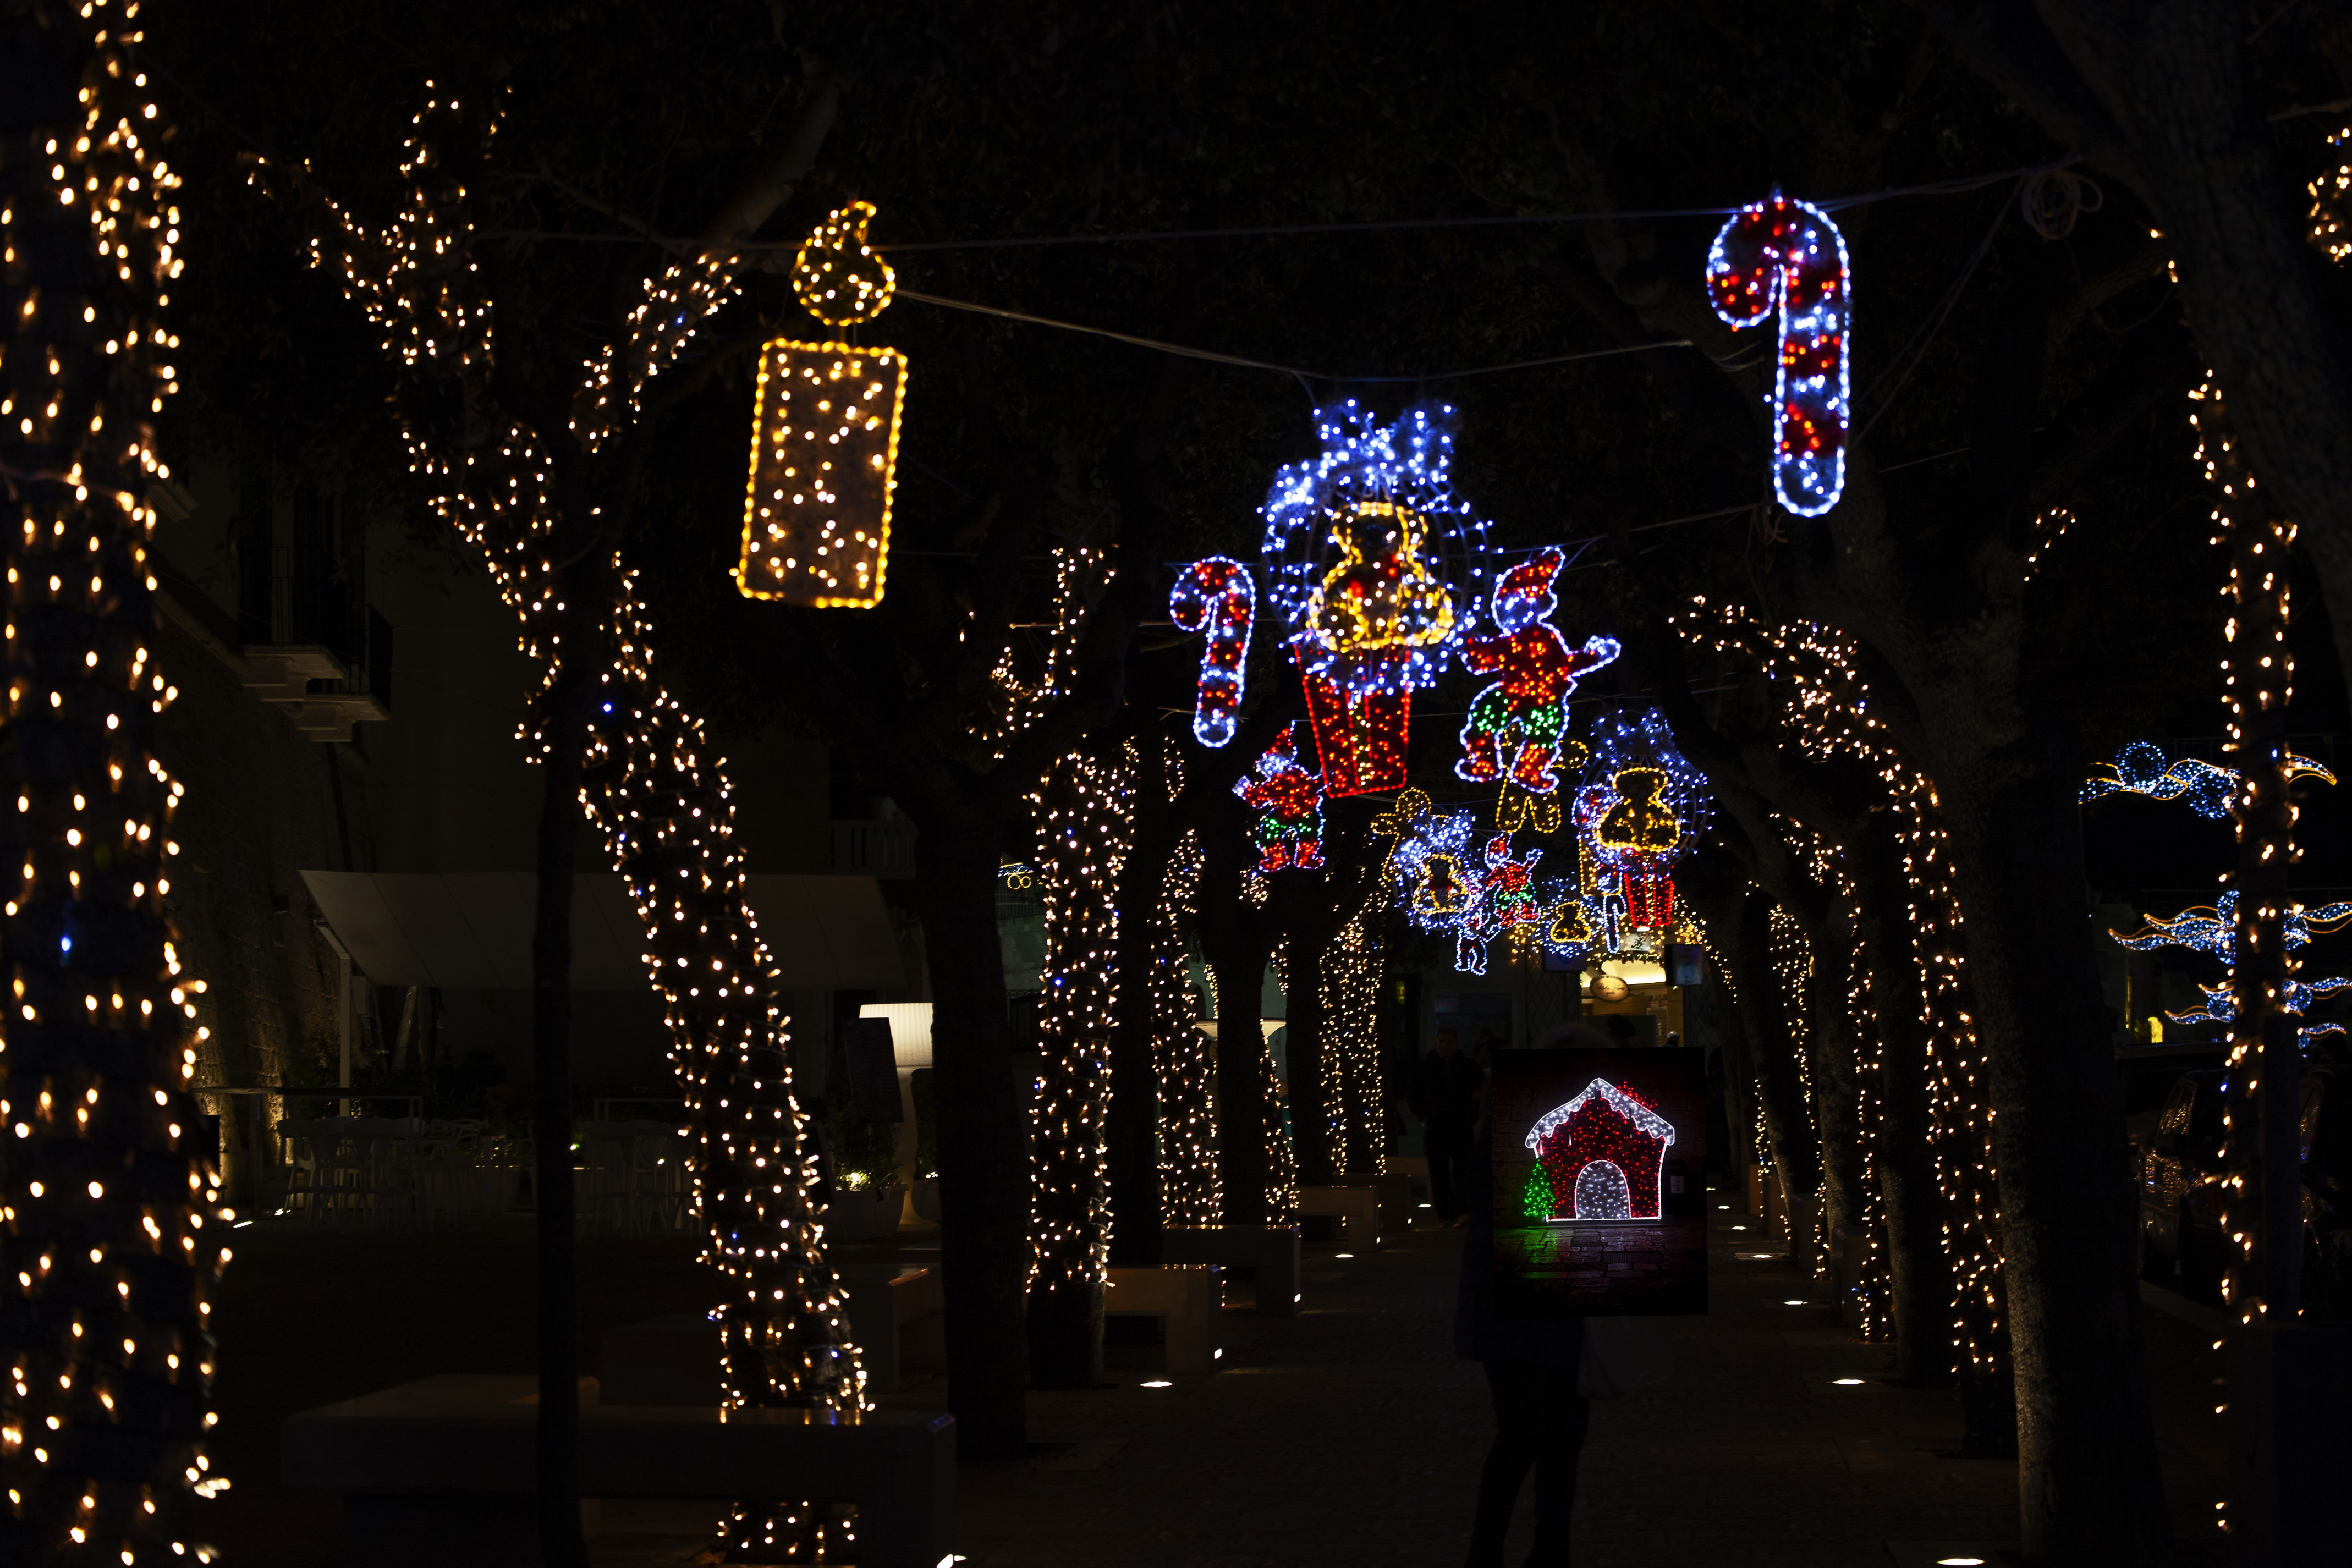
point(111, 1231)
point(531, 450)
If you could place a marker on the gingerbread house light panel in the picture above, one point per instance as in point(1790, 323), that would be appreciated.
point(1602, 1155)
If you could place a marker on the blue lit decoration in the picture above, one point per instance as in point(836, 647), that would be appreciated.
point(1289, 800)
point(1372, 562)
point(2213, 928)
point(1785, 261)
point(1639, 807)
point(1517, 727)
point(1425, 870)
point(1217, 596)
point(2139, 768)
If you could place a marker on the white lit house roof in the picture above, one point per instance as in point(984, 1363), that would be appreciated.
point(1624, 1104)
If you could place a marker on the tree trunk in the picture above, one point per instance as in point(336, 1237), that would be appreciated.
point(1236, 938)
point(1306, 1023)
point(565, 729)
point(983, 1133)
point(2066, 1199)
point(1831, 1048)
point(1133, 1133)
point(1919, 1274)
point(1780, 1082)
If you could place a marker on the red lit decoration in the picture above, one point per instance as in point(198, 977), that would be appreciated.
point(1600, 1156)
point(1360, 735)
point(1217, 596)
point(1289, 799)
point(1504, 902)
point(1515, 730)
point(1784, 262)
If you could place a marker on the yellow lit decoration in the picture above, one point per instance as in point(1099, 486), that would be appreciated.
point(824, 437)
point(1382, 599)
point(110, 1229)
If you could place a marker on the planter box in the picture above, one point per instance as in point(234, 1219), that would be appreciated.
point(865, 1214)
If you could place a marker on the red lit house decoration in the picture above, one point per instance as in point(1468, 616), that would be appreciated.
point(1600, 1156)
point(1517, 727)
point(1372, 563)
point(1289, 799)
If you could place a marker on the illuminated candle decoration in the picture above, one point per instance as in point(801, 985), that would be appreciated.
point(2140, 768)
point(1372, 562)
point(1289, 800)
point(1219, 597)
point(1602, 1155)
point(825, 436)
point(1516, 731)
point(1785, 261)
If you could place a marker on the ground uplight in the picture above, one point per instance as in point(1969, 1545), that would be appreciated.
point(1960, 1562)
point(1739, 1228)
point(1156, 1382)
point(1847, 1382)
point(1343, 1254)
point(1792, 1303)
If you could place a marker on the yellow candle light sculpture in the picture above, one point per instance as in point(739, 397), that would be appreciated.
point(825, 436)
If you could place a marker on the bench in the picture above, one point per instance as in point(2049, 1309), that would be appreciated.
point(1395, 1188)
point(1270, 1250)
point(1189, 1299)
point(895, 1319)
point(1359, 1208)
point(443, 1470)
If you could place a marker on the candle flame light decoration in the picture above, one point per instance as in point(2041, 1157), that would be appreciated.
point(825, 436)
point(1372, 562)
point(1600, 1156)
point(1784, 262)
point(659, 801)
point(1516, 727)
point(1219, 597)
point(109, 1217)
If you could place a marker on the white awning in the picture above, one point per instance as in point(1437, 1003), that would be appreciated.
point(473, 929)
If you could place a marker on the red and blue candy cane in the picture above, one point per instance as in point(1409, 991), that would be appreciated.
point(1785, 260)
point(1217, 596)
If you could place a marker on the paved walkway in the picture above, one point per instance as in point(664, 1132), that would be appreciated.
point(1347, 1435)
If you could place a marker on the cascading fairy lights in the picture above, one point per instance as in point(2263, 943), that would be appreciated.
point(1784, 262)
point(1517, 730)
point(1373, 562)
point(1191, 1193)
point(659, 803)
point(110, 1229)
point(1352, 971)
point(1217, 596)
point(1792, 966)
point(816, 512)
point(2325, 226)
point(1083, 832)
point(2261, 1152)
point(1281, 1155)
point(1826, 708)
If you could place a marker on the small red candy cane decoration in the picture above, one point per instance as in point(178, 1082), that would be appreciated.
point(1217, 596)
point(1786, 260)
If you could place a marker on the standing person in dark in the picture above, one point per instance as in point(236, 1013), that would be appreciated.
point(1540, 1415)
point(1445, 1095)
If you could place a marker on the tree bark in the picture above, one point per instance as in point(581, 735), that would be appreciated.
point(1134, 1123)
point(565, 728)
point(985, 1143)
point(1305, 1023)
point(1236, 938)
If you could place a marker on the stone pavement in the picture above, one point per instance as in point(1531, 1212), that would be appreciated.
point(1347, 1435)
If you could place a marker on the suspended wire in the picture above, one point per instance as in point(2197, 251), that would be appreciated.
point(1215, 357)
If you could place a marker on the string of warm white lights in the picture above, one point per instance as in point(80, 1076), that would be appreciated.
point(660, 803)
point(111, 1232)
point(1813, 672)
point(1083, 832)
point(1190, 1192)
point(1281, 1155)
point(2263, 1254)
point(2327, 227)
point(1353, 971)
point(1792, 966)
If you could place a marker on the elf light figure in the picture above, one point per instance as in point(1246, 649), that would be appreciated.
point(1640, 807)
point(1372, 562)
point(1219, 597)
point(1289, 800)
point(1505, 903)
point(1516, 726)
point(1784, 262)
point(1600, 1156)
